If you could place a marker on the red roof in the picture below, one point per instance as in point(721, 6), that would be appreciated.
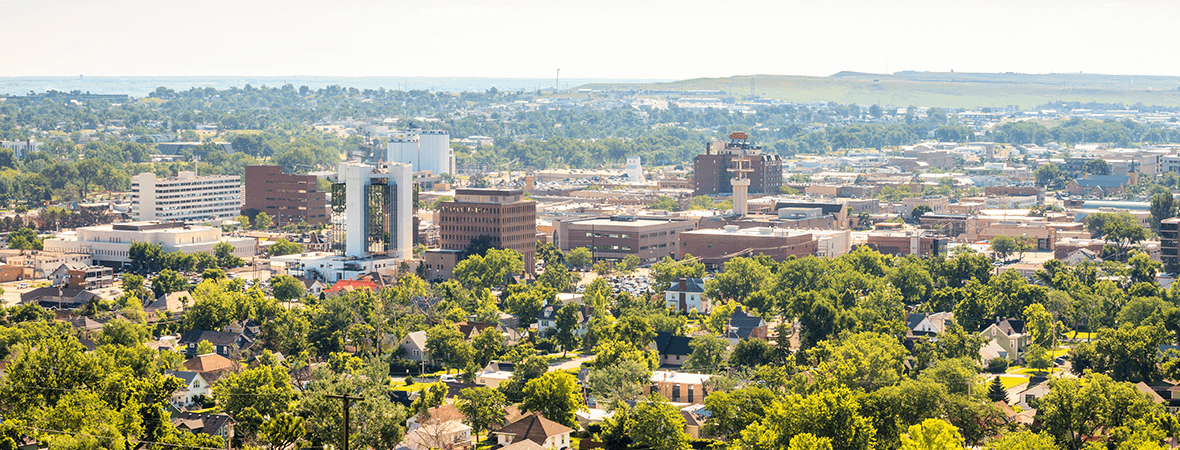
point(352, 285)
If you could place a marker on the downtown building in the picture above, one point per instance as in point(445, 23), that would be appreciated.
point(713, 170)
point(185, 198)
point(501, 215)
point(371, 225)
point(286, 198)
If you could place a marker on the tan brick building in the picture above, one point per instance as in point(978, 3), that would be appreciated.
point(501, 214)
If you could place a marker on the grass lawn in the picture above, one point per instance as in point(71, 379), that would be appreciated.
point(1081, 335)
point(1021, 370)
point(1011, 382)
point(413, 387)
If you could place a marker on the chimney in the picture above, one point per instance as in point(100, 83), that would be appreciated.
point(683, 284)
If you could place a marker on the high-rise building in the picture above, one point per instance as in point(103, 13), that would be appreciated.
point(634, 169)
point(372, 211)
point(186, 198)
point(712, 169)
point(286, 198)
point(1169, 237)
point(501, 215)
point(423, 150)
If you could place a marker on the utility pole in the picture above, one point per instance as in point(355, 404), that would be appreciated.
point(346, 400)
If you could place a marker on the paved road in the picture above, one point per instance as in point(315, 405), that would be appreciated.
point(571, 364)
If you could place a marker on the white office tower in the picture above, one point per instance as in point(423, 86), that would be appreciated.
point(634, 169)
point(423, 150)
point(186, 198)
point(372, 211)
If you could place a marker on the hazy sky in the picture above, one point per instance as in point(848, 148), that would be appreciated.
point(585, 39)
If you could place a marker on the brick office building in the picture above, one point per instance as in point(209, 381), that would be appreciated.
point(711, 170)
point(615, 238)
point(286, 198)
point(501, 214)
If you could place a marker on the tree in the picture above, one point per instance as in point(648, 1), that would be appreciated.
point(1038, 357)
point(1049, 176)
point(1004, 246)
point(447, 345)
point(741, 277)
point(919, 211)
point(1163, 206)
point(556, 395)
point(243, 222)
point(550, 254)
point(123, 332)
point(284, 247)
point(1022, 440)
point(266, 389)
point(865, 360)
point(1123, 231)
point(167, 282)
point(932, 434)
point(556, 277)
point(628, 264)
point(282, 432)
point(708, 353)
point(808, 441)
point(733, 411)
point(478, 272)
point(24, 239)
point(996, 391)
point(1039, 324)
point(752, 353)
point(665, 203)
point(483, 408)
point(579, 257)
point(657, 425)
point(602, 268)
point(830, 413)
point(262, 221)
point(1097, 167)
point(286, 288)
point(569, 319)
point(224, 252)
point(1076, 408)
point(620, 382)
point(488, 345)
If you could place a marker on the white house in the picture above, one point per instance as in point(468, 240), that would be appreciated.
point(194, 386)
point(415, 345)
point(688, 294)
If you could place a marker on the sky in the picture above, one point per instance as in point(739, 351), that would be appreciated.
point(642, 39)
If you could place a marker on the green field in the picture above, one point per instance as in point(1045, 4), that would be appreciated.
point(961, 90)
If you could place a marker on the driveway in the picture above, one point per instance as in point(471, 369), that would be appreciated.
point(570, 364)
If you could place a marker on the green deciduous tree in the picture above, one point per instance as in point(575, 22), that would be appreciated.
point(483, 408)
point(284, 247)
point(1076, 408)
point(708, 353)
point(556, 395)
point(579, 257)
point(286, 288)
point(657, 425)
point(932, 434)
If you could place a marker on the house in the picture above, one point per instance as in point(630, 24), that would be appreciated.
point(225, 342)
point(744, 326)
point(248, 328)
point(85, 323)
point(694, 420)
point(926, 325)
point(415, 345)
point(60, 276)
point(211, 367)
point(313, 287)
point(1009, 334)
point(535, 427)
point(173, 302)
point(687, 294)
point(472, 329)
point(494, 373)
point(346, 286)
point(523, 445)
point(1037, 387)
point(1099, 185)
point(673, 350)
point(443, 428)
point(991, 351)
point(679, 387)
point(59, 297)
point(194, 386)
point(547, 320)
point(219, 425)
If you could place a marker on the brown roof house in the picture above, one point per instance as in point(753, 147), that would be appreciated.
point(442, 428)
point(219, 425)
point(535, 427)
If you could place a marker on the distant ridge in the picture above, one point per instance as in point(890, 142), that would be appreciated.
point(943, 89)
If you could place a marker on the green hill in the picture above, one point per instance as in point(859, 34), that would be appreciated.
point(945, 89)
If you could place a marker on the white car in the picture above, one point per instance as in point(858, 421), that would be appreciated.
point(447, 379)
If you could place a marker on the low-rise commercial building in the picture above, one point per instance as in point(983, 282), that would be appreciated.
point(110, 244)
point(715, 246)
point(617, 237)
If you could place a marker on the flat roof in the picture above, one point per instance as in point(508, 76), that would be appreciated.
point(639, 222)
